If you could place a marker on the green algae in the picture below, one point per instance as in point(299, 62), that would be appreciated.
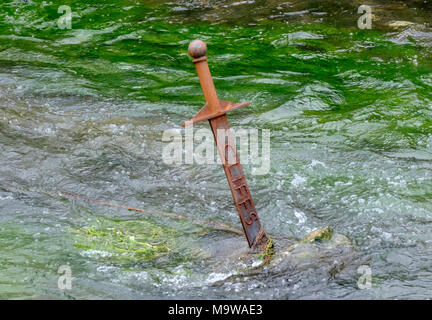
point(126, 240)
point(268, 252)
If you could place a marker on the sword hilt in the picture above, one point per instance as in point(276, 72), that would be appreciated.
point(197, 50)
point(213, 107)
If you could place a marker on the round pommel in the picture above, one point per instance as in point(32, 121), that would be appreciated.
point(197, 49)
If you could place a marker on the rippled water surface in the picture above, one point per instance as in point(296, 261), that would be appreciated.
point(83, 110)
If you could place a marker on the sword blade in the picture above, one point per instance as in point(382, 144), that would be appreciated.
point(243, 201)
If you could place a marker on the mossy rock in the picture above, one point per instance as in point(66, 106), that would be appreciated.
point(322, 241)
point(320, 248)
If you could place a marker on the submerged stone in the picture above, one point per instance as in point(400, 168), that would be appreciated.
point(400, 24)
point(321, 249)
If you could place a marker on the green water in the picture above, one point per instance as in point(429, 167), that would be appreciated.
point(82, 110)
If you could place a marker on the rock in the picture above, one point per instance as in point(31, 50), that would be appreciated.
point(399, 24)
point(315, 244)
point(330, 252)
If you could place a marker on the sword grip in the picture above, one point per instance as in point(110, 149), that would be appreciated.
point(197, 50)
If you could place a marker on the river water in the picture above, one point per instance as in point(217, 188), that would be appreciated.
point(83, 110)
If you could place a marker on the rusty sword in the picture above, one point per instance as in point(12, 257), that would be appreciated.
point(215, 112)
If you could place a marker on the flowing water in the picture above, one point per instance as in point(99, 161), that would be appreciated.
point(82, 110)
